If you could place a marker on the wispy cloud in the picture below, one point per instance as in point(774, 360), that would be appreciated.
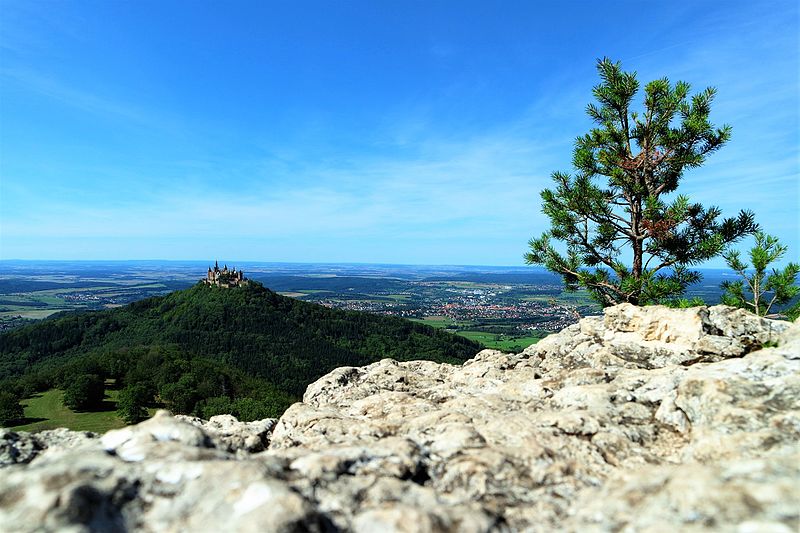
point(487, 178)
point(90, 101)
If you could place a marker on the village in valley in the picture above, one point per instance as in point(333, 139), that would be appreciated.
point(460, 302)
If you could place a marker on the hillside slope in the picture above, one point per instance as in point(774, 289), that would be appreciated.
point(249, 329)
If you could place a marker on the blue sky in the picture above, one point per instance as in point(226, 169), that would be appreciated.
point(375, 131)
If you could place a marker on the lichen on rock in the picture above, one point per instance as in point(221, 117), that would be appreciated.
point(650, 419)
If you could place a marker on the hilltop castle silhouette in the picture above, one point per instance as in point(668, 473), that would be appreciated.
point(224, 277)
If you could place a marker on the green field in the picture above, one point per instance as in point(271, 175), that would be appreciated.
point(441, 322)
point(47, 411)
point(39, 304)
point(496, 341)
point(503, 342)
point(32, 305)
point(36, 314)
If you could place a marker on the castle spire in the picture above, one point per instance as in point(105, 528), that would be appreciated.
point(225, 277)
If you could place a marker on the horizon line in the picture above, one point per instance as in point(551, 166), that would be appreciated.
point(320, 263)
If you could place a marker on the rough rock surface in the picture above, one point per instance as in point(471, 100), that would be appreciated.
point(646, 419)
point(235, 436)
point(23, 447)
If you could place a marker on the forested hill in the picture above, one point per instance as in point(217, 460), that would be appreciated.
point(247, 331)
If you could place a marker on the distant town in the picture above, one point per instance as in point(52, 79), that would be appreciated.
point(489, 304)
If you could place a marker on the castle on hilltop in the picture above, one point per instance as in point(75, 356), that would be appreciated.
point(222, 277)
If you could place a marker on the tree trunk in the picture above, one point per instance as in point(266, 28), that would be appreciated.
point(637, 259)
point(637, 242)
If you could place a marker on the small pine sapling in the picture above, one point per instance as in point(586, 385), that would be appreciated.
point(757, 290)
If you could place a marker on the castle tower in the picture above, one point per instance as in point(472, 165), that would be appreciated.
point(224, 277)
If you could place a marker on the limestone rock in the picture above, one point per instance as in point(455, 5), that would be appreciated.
point(232, 435)
point(137, 443)
point(23, 447)
point(161, 475)
point(643, 419)
point(656, 336)
point(741, 495)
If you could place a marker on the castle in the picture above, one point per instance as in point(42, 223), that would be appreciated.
point(224, 277)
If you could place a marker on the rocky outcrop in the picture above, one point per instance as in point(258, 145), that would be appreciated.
point(23, 447)
point(233, 436)
point(643, 419)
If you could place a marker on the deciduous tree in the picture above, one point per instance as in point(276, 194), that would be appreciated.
point(10, 409)
point(85, 392)
point(132, 402)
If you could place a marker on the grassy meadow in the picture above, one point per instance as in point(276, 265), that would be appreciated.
point(497, 341)
point(503, 342)
point(46, 410)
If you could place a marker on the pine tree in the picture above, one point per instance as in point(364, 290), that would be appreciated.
point(614, 207)
point(759, 291)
